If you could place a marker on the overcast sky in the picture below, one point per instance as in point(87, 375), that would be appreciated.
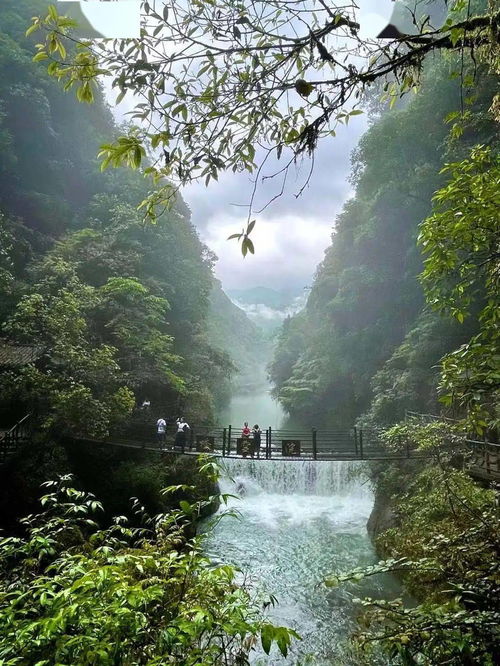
point(292, 233)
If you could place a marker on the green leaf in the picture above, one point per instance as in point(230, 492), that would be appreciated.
point(121, 96)
point(266, 637)
point(33, 28)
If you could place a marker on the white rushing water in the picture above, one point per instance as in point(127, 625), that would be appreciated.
point(299, 522)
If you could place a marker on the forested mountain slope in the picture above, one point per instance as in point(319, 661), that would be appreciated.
point(118, 308)
point(365, 338)
point(229, 329)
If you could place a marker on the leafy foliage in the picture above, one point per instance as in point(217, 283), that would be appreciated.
point(461, 242)
point(366, 305)
point(74, 593)
point(445, 546)
point(80, 380)
point(120, 310)
point(282, 80)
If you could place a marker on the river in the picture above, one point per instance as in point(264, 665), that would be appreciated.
point(299, 522)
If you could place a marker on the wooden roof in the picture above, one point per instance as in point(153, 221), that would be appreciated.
point(13, 355)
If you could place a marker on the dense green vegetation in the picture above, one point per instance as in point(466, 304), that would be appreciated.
point(367, 343)
point(73, 593)
point(119, 311)
point(443, 541)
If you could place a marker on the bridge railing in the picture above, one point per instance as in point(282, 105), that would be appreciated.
point(427, 418)
point(484, 460)
point(274, 443)
point(145, 434)
point(12, 439)
point(481, 459)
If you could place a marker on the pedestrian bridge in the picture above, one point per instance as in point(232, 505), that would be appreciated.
point(275, 444)
point(481, 459)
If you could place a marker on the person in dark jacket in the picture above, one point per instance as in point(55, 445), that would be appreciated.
point(257, 435)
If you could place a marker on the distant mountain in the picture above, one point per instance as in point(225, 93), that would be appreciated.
point(268, 307)
point(278, 300)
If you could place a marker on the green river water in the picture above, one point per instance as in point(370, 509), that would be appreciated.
point(299, 522)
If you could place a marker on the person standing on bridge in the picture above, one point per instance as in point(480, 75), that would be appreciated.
point(161, 428)
point(246, 445)
point(180, 435)
point(256, 434)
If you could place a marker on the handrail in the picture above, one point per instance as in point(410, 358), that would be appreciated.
point(9, 441)
point(431, 417)
point(14, 427)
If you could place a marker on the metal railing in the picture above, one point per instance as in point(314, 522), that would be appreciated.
point(427, 418)
point(484, 461)
point(284, 444)
point(12, 439)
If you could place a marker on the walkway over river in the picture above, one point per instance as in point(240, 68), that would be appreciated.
point(482, 459)
point(282, 444)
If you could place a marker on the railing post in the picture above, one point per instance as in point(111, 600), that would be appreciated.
point(407, 448)
point(361, 444)
point(355, 441)
point(229, 441)
point(270, 442)
point(224, 433)
point(314, 445)
point(267, 444)
point(191, 438)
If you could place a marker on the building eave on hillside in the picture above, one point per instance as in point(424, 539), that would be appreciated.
point(14, 355)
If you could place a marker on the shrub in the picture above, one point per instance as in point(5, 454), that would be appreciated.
point(71, 593)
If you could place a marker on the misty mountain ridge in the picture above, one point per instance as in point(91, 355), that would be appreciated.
point(277, 299)
point(267, 307)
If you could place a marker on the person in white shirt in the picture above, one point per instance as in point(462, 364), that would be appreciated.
point(180, 436)
point(161, 429)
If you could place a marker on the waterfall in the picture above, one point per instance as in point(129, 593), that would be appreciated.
point(298, 522)
point(292, 524)
point(301, 477)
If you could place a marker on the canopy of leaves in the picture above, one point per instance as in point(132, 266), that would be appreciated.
point(248, 75)
point(461, 242)
point(366, 305)
point(120, 309)
point(445, 546)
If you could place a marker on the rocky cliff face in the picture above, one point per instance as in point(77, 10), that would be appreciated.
point(381, 518)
